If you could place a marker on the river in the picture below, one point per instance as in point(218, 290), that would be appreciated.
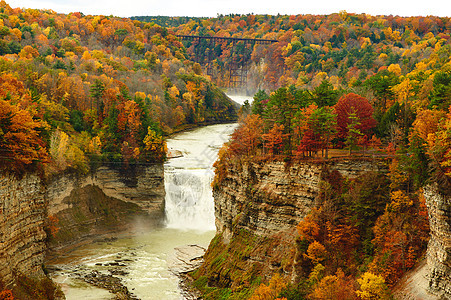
point(140, 258)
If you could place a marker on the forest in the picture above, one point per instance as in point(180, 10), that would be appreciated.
point(80, 91)
point(343, 48)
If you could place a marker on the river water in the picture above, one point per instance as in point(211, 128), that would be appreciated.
point(140, 258)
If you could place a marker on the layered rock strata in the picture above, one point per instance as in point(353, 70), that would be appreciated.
point(22, 223)
point(68, 208)
point(257, 208)
point(439, 247)
point(259, 204)
point(105, 201)
point(142, 186)
point(268, 198)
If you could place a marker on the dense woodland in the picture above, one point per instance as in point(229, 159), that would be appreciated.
point(78, 91)
point(346, 49)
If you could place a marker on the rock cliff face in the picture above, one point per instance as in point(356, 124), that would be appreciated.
point(268, 198)
point(142, 186)
point(439, 247)
point(78, 206)
point(105, 201)
point(257, 208)
point(22, 220)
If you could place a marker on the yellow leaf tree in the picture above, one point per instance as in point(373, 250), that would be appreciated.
point(372, 287)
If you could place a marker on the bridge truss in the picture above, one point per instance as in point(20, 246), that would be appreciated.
point(237, 67)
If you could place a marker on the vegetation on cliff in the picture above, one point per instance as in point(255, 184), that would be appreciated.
point(77, 91)
point(361, 232)
point(364, 233)
point(81, 90)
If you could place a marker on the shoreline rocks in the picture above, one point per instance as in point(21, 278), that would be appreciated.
point(186, 259)
point(110, 283)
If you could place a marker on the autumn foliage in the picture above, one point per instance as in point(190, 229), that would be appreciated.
point(357, 227)
point(290, 123)
point(344, 48)
point(6, 295)
point(353, 103)
point(21, 144)
point(376, 84)
point(78, 91)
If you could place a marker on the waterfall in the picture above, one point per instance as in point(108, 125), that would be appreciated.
point(189, 199)
point(189, 203)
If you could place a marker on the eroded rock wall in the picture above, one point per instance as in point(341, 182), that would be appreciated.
point(439, 247)
point(105, 201)
point(77, 206)
point(257, 208)
point(22, 220)
point(267, 198)
point(143, 186)
point(259, 204)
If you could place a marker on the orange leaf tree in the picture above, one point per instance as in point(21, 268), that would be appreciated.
point(274, 139)
point(247, 138)
point(20, 142)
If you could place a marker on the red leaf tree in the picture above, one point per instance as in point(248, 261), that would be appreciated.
point(353, 103)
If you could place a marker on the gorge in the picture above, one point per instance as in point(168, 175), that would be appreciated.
point(139, 256)
point(335, 183)
point(257, 207)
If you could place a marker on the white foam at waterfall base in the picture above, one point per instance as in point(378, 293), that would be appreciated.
point(189, 199)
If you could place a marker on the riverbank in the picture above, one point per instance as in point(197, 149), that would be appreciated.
point(140, 262)
point(186, 259)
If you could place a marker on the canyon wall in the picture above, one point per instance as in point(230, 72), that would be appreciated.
point(67, 208)
point(104, 201)
point(257, 208)
point(142, 186)
point(22, 223)
point(439, 247)
point(259, 204)
point(268, 198)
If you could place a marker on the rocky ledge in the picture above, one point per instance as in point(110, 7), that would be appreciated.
point(184, 260)
point(110, 283)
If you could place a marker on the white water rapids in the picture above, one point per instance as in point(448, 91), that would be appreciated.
point(141, 257)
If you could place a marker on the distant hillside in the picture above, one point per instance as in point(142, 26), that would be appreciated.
point(81, 90)
point(345, 49)
point(166, 21)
